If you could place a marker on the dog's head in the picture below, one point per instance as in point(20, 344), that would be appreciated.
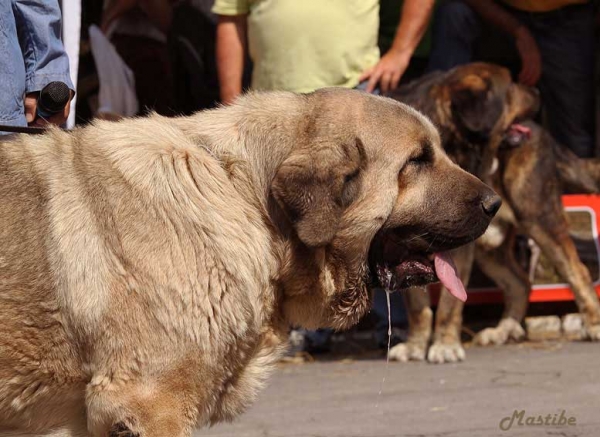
point(368, 193)
point(483, 101)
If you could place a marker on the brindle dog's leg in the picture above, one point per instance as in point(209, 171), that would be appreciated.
point(533, 191)
point(446, 345)
point(501, 266)
point(558, 246)
point(420, 317)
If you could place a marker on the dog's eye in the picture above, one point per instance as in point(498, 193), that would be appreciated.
point(351, 186)
point(425, 155)
point(421, 159)
point(351, 176)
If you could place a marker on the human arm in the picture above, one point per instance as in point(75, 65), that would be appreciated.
point(529, 52)
point(39, 28)
point(230, 52)
point(414, 19)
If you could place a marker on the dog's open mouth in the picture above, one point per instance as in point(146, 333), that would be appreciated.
point(398, 270)
point(516, 134)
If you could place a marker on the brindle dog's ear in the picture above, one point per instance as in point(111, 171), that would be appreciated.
point(474, 105)
point(314, 187)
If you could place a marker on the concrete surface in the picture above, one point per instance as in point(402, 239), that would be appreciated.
point(340, 398)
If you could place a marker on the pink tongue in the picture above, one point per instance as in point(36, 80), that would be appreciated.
point(524, 130)
point(446, 272)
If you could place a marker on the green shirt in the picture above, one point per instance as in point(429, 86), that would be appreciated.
point(303, 45)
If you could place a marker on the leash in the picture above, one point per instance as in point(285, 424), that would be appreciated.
point(23, 129)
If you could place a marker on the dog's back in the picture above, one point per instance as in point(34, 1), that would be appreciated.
point(416, 92)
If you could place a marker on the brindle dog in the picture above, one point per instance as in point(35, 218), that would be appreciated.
point(477, 108)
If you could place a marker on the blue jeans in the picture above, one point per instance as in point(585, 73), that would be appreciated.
point(363, 86)
point(31, 54)
point(565, 38)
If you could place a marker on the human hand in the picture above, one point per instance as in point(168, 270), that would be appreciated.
point(30, 103)
point(387, 72)
point(531, 59)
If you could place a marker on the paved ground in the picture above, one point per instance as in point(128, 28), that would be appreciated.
point(340, 398)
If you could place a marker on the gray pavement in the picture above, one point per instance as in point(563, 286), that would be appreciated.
point(340, 398)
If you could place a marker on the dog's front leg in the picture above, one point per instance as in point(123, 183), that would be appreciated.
point(558, 246)
point(160, 406)
point(501, 266)
point(447, 346)
point(420, 318)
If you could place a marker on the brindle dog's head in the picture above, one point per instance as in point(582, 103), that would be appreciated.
point(484, 101)
point(475, 106)
point(369, 190)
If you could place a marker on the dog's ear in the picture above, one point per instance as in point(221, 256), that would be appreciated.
point(474, 105)
point(315, 186)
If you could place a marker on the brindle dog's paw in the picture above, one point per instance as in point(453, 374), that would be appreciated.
point(593, 332)
point(445, 352)
point(121, 430)
point(507, 329)
point(409, 351)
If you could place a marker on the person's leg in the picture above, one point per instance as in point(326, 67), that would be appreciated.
point(566, 42)
point(455, 29)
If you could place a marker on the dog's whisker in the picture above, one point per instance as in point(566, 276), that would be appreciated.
point(424, 234)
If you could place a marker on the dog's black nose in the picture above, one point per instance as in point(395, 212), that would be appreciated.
point(491, 204)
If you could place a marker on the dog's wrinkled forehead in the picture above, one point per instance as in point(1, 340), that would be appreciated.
point(480, 77)
point(394, 124)
point(376, 121)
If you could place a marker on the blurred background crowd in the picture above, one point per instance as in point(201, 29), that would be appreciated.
point(179, 56)
point(189, 55)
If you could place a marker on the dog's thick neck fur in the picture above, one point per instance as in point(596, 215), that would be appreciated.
point(221, 130)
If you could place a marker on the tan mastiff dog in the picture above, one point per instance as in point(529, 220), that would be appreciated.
point(150, 268)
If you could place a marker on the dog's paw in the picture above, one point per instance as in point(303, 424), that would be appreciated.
point(443, 352)
point(121, 430)
point(507, 329)
point(409, 351)
point(593, 332)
